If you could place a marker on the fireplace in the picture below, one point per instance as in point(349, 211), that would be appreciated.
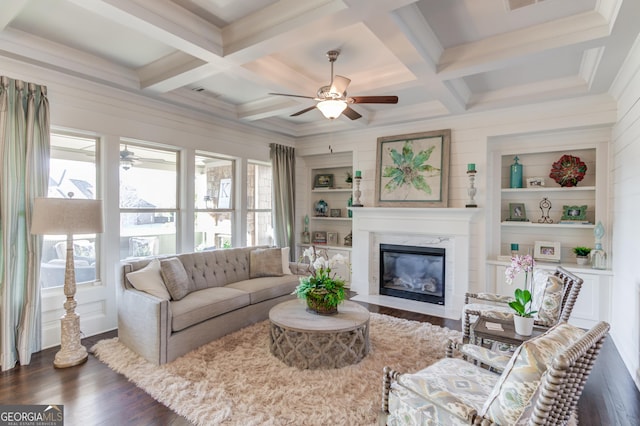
point(413, 272)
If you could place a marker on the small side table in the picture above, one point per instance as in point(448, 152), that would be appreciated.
point(508, 334)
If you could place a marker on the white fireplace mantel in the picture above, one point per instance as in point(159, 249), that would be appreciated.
point(448, 228)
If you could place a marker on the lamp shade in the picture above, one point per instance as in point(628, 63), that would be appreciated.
point(64, 216)
point(332, 108)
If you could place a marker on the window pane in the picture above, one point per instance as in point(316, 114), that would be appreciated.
point(259, 193)
point(148, 178)
point(147, 234)
point(259, 184)
point(259, 229)
point(213, 230)
point(148, 201)
point(214, 183)
point(72, 172)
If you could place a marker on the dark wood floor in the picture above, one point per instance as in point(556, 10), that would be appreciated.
point(93, 394)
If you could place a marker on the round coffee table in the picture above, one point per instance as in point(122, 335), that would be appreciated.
point(310, 341)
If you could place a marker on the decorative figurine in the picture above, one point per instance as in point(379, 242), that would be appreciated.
point(598, 255)
point(348, 240)
point(545, 207)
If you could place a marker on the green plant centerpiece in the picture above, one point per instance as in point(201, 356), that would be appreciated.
point(322, 289)
point(522, 303)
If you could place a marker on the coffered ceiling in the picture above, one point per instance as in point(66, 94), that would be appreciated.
point(224, 57)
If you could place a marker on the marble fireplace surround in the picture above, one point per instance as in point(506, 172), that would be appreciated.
point(447, 228)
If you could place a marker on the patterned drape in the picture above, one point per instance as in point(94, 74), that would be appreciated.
point(24, 174)
point(283, 166)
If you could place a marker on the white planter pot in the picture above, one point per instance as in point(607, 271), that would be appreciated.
point(524, 326)
point(582, 260)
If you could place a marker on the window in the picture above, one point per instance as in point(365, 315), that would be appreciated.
point(72, 174)
point(259, 194)
point(148, 200)
point(214, 202)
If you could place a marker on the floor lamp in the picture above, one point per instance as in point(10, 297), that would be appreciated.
point(67, 216)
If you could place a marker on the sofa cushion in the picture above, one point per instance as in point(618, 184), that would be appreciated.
point(149, 280)
point(524, 372)
point(201, 305)
point(265, 263)
point(175, 277)
point(286, 269)
point(265, 288)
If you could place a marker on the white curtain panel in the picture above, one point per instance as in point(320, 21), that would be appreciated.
point(24, 174)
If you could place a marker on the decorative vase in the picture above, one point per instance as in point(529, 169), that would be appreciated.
point(316, 303)
point(523, 325)
point(516, 174)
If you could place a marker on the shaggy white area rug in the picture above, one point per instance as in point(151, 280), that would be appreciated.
point(236, 381)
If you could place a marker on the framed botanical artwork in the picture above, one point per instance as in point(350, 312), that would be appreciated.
point(323, 181)
point(574, 213)
point(413, 170)
point(547, 250)
point(517, 212)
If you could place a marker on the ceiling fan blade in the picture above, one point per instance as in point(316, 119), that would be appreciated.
point(351, 113)
point(293, 96)
point(339, 84)
point(374, 99)
point(303, 111)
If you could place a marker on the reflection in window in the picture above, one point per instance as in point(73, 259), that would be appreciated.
point(72, 174)
point(148, 201)
point(259, 193)
point(214, 202)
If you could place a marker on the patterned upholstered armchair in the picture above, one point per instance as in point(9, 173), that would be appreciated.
point(540, 384)
point(554, 296)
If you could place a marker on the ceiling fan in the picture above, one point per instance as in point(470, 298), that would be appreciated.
point(127, 158)
point(333, 99)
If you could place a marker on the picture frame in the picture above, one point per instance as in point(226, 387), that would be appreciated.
point(517, 212)
point(535, 182)
point(323, 181)
point(547, 250)
point(320, 237)
point(332, 238)
point(335, 212)
point(574, 213)
point(429, 184)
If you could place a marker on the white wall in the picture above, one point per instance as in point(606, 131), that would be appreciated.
point(470, 138)
point(625, 177)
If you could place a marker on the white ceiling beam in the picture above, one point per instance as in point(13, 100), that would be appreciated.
point(10, 9)
point(453, 96)
point(267, 107)
point(504, 49)
point(174, 71)
point(45, 53)
point(165, 22)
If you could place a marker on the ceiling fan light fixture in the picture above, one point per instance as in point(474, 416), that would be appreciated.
point(332, 108)
point(126, 164)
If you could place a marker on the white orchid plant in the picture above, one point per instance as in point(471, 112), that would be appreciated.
point(321, 279)
point(522, 303)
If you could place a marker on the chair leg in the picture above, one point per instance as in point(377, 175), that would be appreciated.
point(387, 376)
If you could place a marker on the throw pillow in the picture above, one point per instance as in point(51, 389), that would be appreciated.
point(175, 277)
point(286, 270)
point(547, 297)
point(149, 280)
point(265, 263)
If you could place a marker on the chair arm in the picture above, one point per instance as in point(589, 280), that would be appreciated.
point(490, 297)
point(442, 400)
point(144, 324)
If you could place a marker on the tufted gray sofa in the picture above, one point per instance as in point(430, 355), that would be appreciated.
point(223, 299)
